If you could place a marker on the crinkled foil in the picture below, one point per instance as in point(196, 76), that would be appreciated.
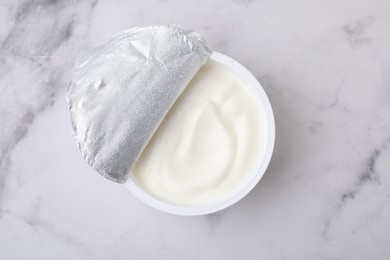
point(121, 91)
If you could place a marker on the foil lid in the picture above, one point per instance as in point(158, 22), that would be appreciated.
point(121, 91)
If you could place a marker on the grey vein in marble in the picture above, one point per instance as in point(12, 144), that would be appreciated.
point(366, 176)
point(32, 37)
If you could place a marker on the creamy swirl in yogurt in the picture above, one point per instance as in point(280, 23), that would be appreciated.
point(208, 144)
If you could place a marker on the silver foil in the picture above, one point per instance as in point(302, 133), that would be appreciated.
point(121, 91)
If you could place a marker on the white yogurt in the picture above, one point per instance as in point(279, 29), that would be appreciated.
point(208, 144)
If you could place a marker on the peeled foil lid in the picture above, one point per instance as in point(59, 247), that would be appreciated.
point(121, 91)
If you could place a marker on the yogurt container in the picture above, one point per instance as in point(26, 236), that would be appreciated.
point(123, 95)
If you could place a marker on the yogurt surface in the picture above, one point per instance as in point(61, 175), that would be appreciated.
point(208, 144)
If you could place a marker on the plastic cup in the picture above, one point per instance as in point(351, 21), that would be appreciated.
point(252, 180)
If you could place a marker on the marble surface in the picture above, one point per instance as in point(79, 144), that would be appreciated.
point(326, 195)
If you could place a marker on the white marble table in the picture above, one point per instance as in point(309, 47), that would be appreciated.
point(326, 195)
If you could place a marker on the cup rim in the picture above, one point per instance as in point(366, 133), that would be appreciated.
point(253, 179)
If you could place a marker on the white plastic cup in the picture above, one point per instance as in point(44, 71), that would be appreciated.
point(252, 180)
